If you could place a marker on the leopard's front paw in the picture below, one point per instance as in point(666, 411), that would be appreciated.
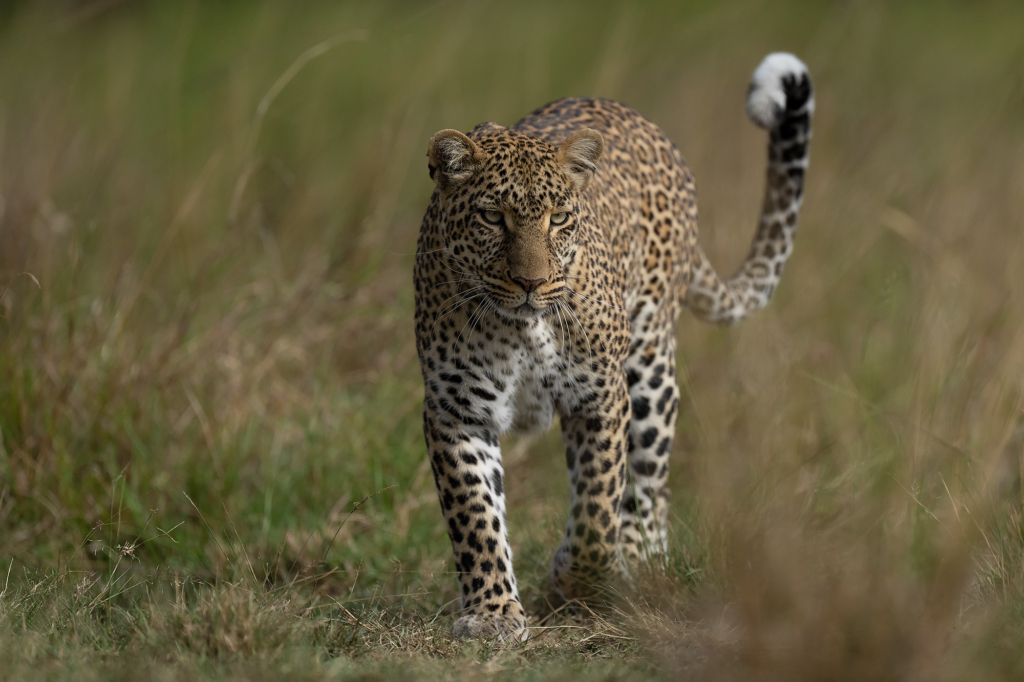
point(510, 628)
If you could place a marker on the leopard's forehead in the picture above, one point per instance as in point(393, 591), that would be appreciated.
point(521, 174)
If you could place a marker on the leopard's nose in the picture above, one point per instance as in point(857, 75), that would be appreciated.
point(528, 285)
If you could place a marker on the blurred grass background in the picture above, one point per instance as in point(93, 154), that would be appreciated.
point(211, 362)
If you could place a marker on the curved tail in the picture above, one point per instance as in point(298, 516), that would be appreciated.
point(780, 100)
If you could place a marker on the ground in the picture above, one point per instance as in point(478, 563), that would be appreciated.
point(211, 463)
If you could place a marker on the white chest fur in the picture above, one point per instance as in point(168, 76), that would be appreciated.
point(546, 374)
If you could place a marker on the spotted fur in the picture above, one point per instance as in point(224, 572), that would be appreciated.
point(553, 260)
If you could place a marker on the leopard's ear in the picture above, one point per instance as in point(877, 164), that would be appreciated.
point(579, 155)
point(452, 158)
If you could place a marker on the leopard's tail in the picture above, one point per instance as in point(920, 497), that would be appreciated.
point(781, 100)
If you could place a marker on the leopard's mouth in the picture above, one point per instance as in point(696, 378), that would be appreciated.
point(525, 302)
point(524, 311)
point(523, 306)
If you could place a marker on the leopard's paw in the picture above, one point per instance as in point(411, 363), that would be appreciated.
point(574, 580)
point(510, 629)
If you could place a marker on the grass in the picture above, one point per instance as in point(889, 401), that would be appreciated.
point(211, 463)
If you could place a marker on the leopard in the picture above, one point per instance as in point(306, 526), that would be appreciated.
point(553, 260)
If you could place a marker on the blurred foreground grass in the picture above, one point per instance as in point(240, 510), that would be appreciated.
point(212, 361)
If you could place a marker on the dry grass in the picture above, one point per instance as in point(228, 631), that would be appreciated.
point(211, 360)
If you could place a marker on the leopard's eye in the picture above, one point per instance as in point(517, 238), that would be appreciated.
point(559, 218)
point(492, 217)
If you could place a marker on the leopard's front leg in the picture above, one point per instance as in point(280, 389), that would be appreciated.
point(466, 460)
point(595, 436)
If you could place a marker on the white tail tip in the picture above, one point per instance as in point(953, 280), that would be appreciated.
point(766, 101)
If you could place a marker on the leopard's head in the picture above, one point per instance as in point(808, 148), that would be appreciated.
point(511, 211)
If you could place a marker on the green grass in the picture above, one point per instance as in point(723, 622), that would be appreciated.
point(211, 462)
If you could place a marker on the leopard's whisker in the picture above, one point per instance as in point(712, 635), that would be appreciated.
point(561, 325)
point(462, 301)
point(479, 319)
point(585, 337)
point(458, 272)
point(459, 280)
point(594, 301)
point(458, 293)
point(470, 319)
point(452, 309)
